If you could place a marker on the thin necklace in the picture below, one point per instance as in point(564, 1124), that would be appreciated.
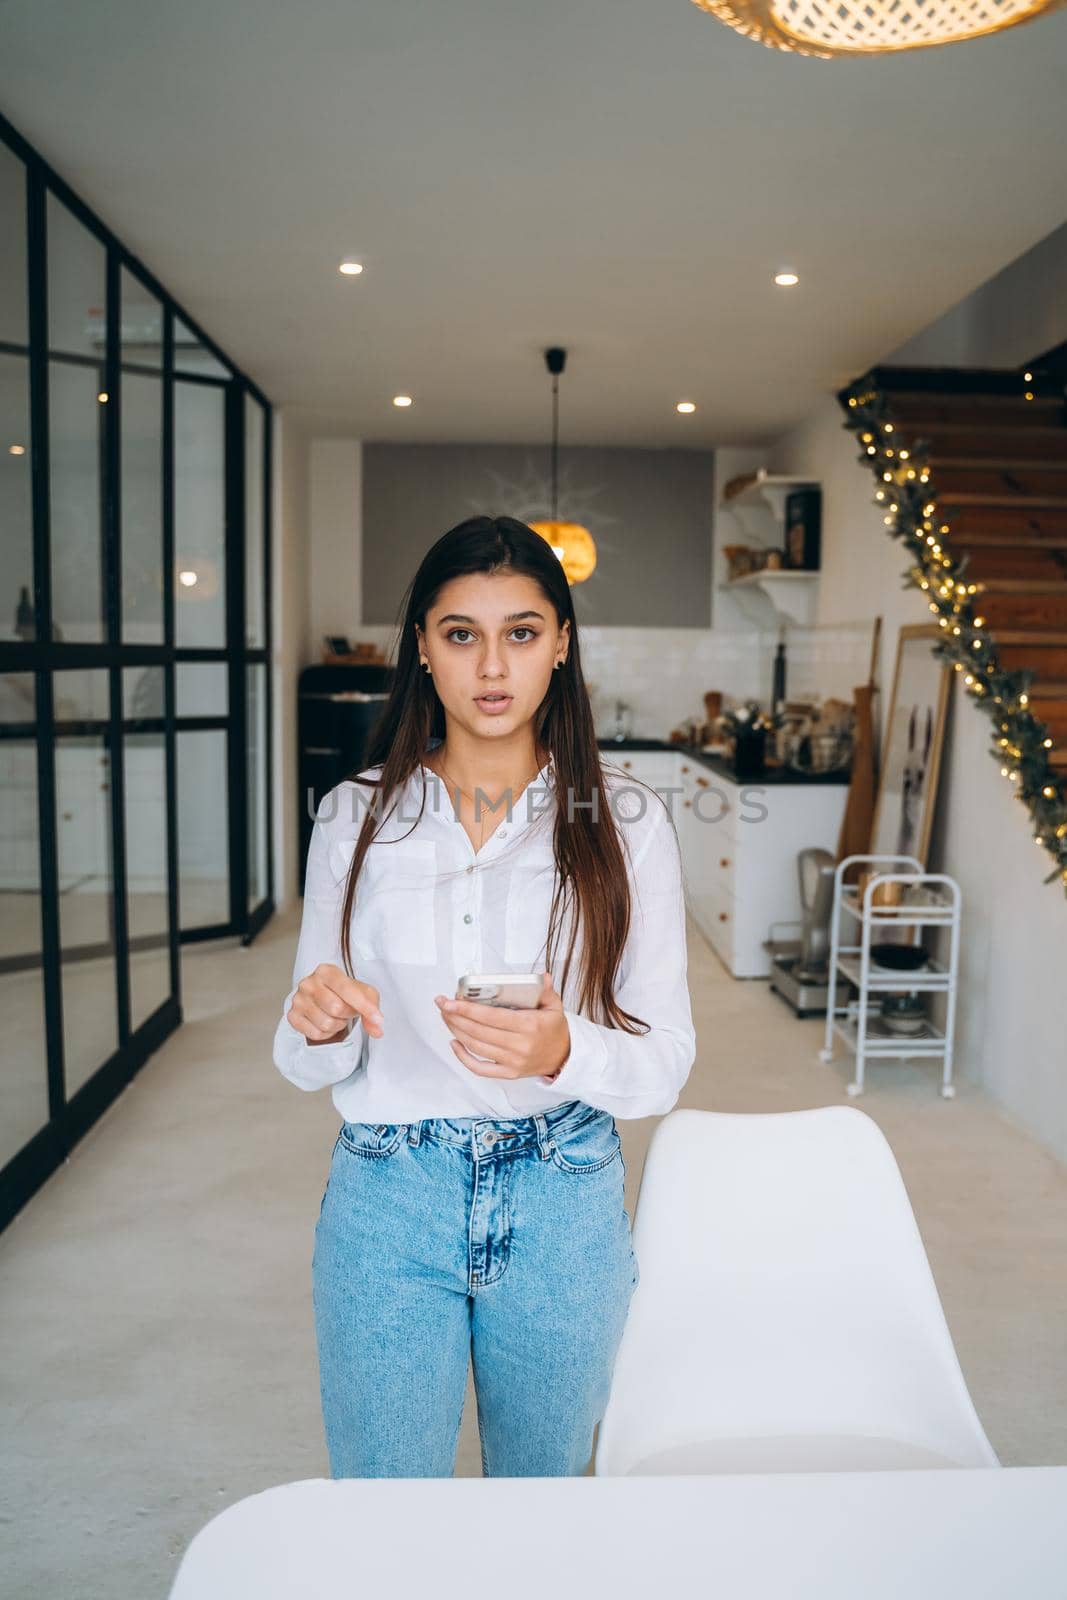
point(470, 797)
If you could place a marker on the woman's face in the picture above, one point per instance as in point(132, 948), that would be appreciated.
point(492, 635)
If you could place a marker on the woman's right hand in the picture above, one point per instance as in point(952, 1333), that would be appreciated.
point(327, 1000)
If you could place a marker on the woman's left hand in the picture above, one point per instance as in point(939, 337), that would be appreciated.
point(518, 1043)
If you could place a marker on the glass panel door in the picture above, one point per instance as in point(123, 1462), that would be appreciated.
point(24, 1107)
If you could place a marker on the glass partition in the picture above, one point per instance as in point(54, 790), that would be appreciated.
point(14, 277)
point(200, 515)
point(85, 863)
point(75, 450)
point(135, 804)
point(18, 615)
point(258, 780)
point(24, 1081)
point(145, 788)
point(141, 456)
point(77, 285)
point(255, 598)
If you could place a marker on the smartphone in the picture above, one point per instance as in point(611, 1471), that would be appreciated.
point(517, 990)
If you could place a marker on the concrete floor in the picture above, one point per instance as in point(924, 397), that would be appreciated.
point(156, 1332)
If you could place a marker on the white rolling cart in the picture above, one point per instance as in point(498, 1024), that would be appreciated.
point(859, 1023)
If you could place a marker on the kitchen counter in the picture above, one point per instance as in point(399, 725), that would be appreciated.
point(770, 776)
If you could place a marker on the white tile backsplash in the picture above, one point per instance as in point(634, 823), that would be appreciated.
point(663, 673)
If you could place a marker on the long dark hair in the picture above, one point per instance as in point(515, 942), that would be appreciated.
point(592, 886)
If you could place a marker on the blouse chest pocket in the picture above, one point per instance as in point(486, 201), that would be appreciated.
point(395, 914)
point(526, 912)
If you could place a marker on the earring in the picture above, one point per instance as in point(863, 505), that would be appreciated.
point(426, 667)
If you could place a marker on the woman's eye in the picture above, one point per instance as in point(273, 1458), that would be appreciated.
point(454, 632)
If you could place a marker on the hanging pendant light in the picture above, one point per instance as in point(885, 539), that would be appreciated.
point(831, 28)
point(572, 543)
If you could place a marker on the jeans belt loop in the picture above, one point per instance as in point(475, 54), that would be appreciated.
point(542, 1135)
point(414, 1133)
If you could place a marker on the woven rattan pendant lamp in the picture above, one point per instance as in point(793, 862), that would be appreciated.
point(870, 27)
point(572, 543)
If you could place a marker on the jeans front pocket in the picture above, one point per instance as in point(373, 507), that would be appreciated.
point(587, 1146)
point(372, 1139)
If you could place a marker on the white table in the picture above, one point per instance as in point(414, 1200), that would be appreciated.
point(973, 1533)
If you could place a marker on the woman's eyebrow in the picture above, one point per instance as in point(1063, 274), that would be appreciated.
point(514, 616)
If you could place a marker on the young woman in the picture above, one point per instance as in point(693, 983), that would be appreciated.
point(474, 1207)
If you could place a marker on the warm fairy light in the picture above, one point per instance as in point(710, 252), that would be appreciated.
point(960, 634)
point(685, 407)
point(351, 269)
point(786, 280)
point(401, 400)
point(16, 450)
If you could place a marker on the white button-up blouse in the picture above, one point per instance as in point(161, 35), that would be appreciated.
point(429, 909)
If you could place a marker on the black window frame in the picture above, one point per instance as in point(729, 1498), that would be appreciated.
point(70, 1116)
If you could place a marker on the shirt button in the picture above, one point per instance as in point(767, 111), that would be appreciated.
point(470, 869)
point(467, 917)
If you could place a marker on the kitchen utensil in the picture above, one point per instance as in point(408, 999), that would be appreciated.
point(900, 957)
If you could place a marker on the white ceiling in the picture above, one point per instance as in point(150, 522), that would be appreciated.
point(622, 177)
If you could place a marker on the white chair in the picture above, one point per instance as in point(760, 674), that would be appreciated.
point(786, 1319)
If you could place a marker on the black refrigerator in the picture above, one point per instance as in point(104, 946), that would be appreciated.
point(336, 709)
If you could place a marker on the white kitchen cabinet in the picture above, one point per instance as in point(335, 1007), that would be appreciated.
point(746, 875)
point(658, 768)
point(739, 842)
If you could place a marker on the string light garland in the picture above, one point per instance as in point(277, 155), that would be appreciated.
point(906, 494)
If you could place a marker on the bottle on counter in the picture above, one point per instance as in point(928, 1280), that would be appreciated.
point(25, 617)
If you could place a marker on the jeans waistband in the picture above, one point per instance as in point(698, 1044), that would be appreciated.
point(509, 1132)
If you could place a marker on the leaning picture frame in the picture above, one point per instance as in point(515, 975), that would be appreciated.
point(912, 745)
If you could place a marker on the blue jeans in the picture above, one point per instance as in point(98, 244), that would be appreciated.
point(506, 1242)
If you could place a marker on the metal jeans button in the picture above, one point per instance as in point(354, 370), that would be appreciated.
point(488, 1137)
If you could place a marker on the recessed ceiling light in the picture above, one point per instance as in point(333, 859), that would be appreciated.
point(16, 449)
point(187, 578)
point(102, 397)
point(351, 269)
point(685, 406)
point(786, 280)
point(401, 399)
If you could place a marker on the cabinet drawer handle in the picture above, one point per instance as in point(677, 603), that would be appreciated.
point(687, 802)
point(724, 861)
point(321, 750)
point(627, 763)
point(724, 916)
point(703, 782)
point(684, 767)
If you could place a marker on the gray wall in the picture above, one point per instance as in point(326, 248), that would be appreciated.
point(1010, 319)
point(649, 512)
